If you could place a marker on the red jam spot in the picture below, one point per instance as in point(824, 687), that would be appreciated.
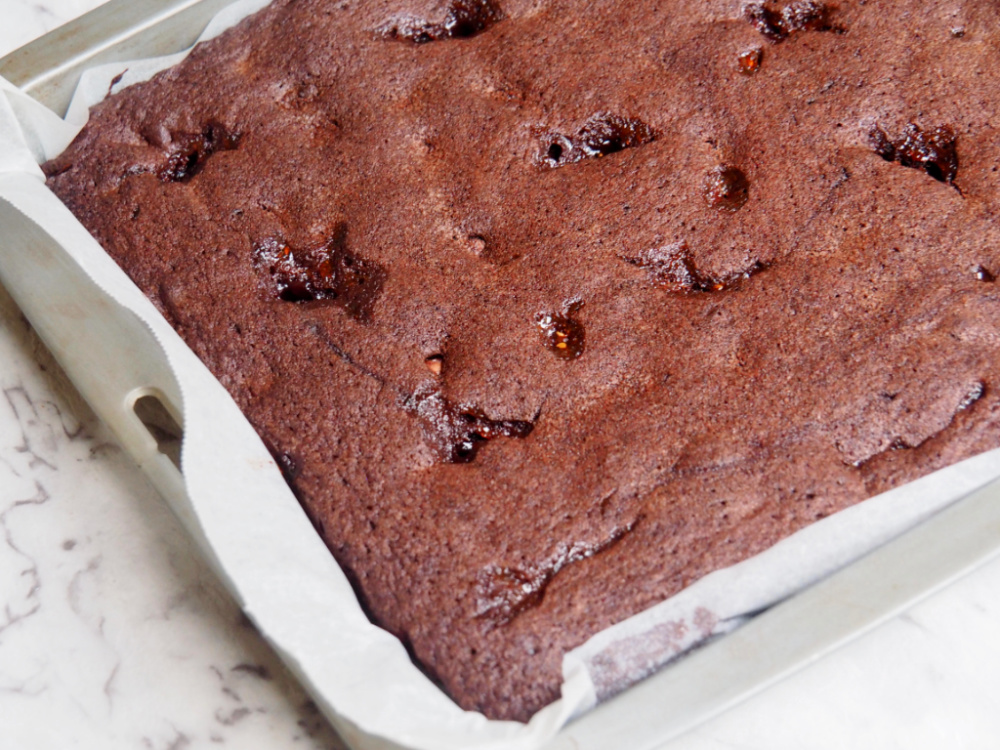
point(801, 15)
point(329, 272)
point(191, 151)
point(435, 363)
point(456, 433)
point(561, 334)
point(931, 150)
point(726, 188)
point(464, 19)
point(601, 135)
point(673, 268)
point(879, 142)
point(750, 60)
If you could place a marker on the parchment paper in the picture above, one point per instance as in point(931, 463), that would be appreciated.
point(235, 501)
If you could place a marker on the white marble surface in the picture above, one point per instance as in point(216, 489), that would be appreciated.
point(114, 635)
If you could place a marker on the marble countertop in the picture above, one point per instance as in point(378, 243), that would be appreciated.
point(113, 634)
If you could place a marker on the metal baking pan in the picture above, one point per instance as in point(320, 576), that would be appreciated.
point(697, 687)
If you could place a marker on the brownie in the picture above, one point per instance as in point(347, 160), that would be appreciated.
point(547, 309)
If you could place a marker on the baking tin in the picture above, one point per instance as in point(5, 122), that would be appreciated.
point(703, 684)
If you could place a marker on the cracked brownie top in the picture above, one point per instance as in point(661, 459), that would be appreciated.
point(549, 308)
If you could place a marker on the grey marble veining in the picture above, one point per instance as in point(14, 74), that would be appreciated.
point(113, 634)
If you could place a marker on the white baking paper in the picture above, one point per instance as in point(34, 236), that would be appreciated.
point(236, 503)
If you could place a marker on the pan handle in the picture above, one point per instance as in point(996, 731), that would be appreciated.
point(112, 357)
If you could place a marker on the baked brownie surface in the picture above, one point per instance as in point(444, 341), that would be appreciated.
point(548, 308)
